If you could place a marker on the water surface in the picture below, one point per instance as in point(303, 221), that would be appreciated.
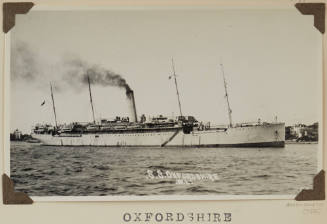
point(79, 171)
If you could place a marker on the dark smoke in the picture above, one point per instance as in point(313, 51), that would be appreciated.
point(24, 65)
point(77, 73)
point(70, 73)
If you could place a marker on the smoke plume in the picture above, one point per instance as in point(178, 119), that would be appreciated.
point(77, 72)
point(24, 64)
point(69, 73)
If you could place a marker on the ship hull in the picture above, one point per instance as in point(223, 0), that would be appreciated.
point(268, 135)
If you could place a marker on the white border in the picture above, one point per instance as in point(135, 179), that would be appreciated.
point(6, 120)
point(6, 86)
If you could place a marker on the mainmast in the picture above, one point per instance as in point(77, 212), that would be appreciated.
point(226, 95)
point(91, 101)
point(174, 74)
point(53, 105)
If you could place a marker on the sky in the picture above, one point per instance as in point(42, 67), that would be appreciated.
point(272, 63)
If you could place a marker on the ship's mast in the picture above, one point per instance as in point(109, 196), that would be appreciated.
point(91, 101)
point(226, 95)
point(174, 74)
point(53, 105)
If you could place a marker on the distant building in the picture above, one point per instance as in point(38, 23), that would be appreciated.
point(17, 134)
point(298, 130)
point(301, 132)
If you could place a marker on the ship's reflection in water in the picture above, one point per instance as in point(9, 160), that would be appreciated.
point(79, 171)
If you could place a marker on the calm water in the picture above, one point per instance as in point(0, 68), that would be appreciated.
point(46, 170)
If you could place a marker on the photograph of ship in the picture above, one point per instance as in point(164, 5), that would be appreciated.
point(182, 131)
point(164, 102)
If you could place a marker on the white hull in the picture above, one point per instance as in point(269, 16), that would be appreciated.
point(268, 135)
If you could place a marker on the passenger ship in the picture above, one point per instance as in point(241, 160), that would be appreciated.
point(161, 131)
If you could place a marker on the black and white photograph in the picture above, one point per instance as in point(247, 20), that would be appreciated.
point(167, 103)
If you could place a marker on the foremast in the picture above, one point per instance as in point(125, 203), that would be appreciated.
point(91, 100)
point(53, 105)
point(177, 92)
